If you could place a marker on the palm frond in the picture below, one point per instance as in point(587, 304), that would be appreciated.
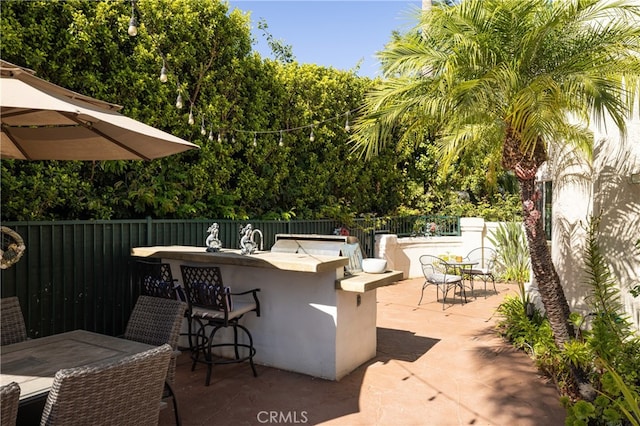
point(471, 71)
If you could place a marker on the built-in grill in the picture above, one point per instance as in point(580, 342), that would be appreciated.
point(329, 245)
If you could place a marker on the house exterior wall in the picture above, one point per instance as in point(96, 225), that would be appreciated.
point(604, 187)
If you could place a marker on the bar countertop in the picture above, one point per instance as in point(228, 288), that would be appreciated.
point(361, 282)
point(286, 261)
point(299, 262)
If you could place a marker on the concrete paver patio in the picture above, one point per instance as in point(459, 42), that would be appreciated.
point(433, 367)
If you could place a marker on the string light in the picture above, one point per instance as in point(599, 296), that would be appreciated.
point(133, 22)
point(163, 73)
point(281, 132)
point(179, 103)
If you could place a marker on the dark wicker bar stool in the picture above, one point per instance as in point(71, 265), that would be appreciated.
point(212, 306)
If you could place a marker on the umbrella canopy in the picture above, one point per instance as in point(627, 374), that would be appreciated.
point(43, 121)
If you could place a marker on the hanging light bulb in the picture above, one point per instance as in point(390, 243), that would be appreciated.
point(163, 73)
point(211, 134)
point(179, 103)
point(280, 143)
point(255, 139)
point(133, 22)
point(346, 125)
point(233, 139)
point(191, 120)
point(203, 131)
point(312, 137)
point(219, 137)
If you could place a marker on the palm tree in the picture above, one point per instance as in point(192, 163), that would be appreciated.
point(511, 79)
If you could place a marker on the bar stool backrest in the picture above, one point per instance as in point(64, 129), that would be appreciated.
point(155, 279)
point(205, 288)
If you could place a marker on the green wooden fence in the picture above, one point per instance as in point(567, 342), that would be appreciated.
point(76, 274)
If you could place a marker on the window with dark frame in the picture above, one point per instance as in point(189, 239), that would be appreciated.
point(544, 205)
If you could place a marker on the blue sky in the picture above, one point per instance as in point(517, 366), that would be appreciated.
point(334, 33)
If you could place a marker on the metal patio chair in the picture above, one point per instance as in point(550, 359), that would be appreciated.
point(212, 306)
point(486, 258)
point(436, 272)
point(12, 326)
point(156, 321)
point(124, 392)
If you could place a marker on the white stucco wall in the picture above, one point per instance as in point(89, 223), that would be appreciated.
point(403, 254)
point(604, 187)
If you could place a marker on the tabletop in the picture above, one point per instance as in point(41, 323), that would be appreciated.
point(33, 363)
point(463, 263)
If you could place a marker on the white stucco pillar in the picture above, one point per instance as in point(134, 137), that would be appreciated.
point(473, 231)
point(387, 246)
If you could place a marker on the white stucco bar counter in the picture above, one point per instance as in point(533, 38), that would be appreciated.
point(314, 319)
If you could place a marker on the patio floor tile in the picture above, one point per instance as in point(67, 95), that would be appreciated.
point(433, 367)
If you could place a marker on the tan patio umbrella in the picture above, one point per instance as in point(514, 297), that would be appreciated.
point(43, 121)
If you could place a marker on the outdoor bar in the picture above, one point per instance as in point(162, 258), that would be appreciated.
point(318, 316)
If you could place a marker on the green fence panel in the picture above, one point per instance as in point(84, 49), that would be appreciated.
point(76, 274)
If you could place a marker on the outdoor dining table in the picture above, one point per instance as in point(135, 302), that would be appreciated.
point(33, 363)
point(459, 268)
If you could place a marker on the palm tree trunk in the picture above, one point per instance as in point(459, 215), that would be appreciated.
point(525, 165)
point(551, 291)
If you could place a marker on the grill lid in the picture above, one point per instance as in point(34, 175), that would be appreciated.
point(316, 244)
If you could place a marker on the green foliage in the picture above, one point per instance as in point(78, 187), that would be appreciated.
point(500, 208)
point(497, 81)
point(83, 45)
point(635, 290)
point(282, 52)
point(608, 350)
point(527, 329)
point(522, 330)
point(473, 189)
point(513, 261)
point(612, 344)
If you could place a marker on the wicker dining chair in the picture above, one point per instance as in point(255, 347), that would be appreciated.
point(9, 402)
point(155, 321)
point(123, 392)
point(12, 326)
point(212, 307)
